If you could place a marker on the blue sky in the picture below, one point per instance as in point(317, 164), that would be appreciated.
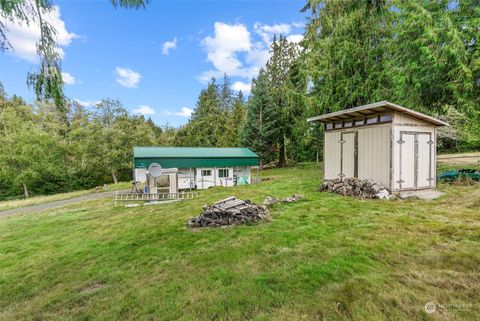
point(155, 60)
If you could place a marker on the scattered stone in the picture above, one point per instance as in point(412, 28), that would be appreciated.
point(293, 198)
point(230, 211)
point(366, 188)
point(269, 200)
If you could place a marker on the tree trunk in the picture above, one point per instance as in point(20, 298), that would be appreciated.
point(282, 157)
point(25, 190)
point(115, 179)
point(260, 165)
point(318, 154)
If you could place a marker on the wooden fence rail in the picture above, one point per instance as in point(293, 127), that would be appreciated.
point(145, 197)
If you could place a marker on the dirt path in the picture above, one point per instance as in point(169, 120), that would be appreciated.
point(55, 204)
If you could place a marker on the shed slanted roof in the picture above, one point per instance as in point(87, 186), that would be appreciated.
point(382, 106)
point(193, 152)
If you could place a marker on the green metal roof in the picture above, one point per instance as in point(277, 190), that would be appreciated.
point(192, 152)
point(194, 157)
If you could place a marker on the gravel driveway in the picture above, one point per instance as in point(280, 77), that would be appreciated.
point(56, 204)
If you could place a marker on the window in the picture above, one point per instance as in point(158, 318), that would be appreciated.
point(359, 122)
point(348, 123)
point(338, 125)
point(372, 120)
point(206, 172)
point(385, 118)
point(329, 126)
point(223, 173)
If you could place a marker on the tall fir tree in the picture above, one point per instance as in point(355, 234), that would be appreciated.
point(260, 130)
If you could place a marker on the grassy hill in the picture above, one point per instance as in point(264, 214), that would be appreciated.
point(325, 257)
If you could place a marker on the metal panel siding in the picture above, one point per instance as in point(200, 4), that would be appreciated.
point(332, 155)
point(400, 157)
point(424, 159)
point(348, 155)
point(374, 154)
point(192, 152)
point(407, 162)
point(195, 162)
point(403, 119)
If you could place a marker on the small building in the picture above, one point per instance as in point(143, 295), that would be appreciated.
point(198, 167)
point(391, 144)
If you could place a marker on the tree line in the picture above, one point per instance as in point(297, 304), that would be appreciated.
point(420, 54)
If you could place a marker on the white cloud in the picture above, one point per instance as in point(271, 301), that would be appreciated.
point(23, 37)
point(241, 86)
point(223, 47)
point(169, 45)
point(68, 79)
point(127, 77)
point(266, 32)
point(144, 110)
point(237, 52)
point(295, 38)
point(298, 25)
point(87, 103)
point(184, 112)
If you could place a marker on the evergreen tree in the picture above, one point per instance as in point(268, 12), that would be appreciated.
point(238, 117)
point(261, 131)
point(347, 44)
point(285, 87)
point(209, 123)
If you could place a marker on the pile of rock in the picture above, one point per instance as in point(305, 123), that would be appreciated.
point(366, 188)
point(273, 200)
point(230, 211)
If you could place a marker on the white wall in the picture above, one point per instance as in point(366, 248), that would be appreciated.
point(140, 175)
point(424, 150)
point(373, 153)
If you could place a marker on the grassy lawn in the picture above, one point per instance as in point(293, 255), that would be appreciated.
point(36, 200)
point(325, 257)
point(467, 160)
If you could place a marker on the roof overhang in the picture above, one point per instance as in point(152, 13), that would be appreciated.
point(375, 108)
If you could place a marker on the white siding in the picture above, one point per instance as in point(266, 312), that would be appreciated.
point(348, 154)
point(140, 175)
point(407, 161)
point(403, 119)
point(332, 155)
point(186, 178)
point(374, 153)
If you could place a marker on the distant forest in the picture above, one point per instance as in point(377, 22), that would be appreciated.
point(422, 54)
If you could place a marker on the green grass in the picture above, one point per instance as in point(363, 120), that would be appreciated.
point(325, 257)
point(42, 199)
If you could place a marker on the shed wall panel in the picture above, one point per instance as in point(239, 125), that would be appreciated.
point(332, 155)
point(374, 154)
point(406, 154)
point(403, 119)
point(348, 154)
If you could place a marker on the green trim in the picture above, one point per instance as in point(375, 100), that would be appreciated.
point(174, 162)
point(193, 152)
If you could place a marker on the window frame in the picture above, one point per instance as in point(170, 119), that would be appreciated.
point(224, 169)
point(206, 171)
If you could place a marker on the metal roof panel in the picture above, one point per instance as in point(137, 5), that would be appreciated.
point(192, 152)
point(377, 107)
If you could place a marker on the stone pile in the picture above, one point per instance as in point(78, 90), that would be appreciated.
point(273, 200)
point(230, 211)
point(366, 188)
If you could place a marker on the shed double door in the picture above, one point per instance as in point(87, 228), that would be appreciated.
point(415, 161)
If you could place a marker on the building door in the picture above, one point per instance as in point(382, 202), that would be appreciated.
point(415, 161)
point(349, 152)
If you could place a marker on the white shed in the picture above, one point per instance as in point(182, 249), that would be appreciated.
point(391, 144)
